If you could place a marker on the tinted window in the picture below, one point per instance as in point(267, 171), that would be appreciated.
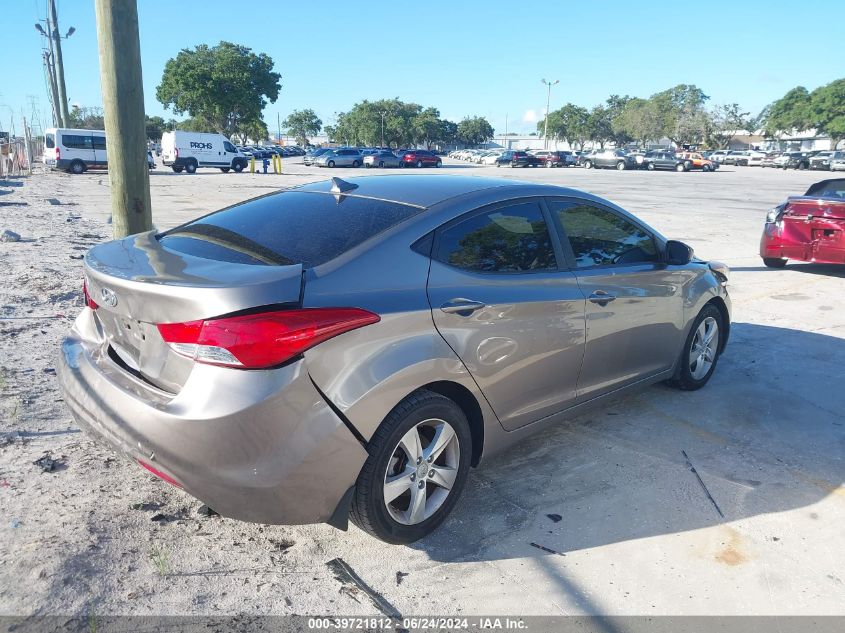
point(229, 147)
point(287, 228)
point(76, 141)
point(50, 141)
point(600, 237)
point(99, 142)
point(505, 240)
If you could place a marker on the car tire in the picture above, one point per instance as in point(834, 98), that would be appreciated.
point(680, 167)
point(433, 415)
point(419, 164)
point(238, 166)
point(498, 164)
point(225, 170)
point(77, 167)
point(588, 164)
point(177, 169)
point(774, 262)
point(381, 164)
point(438, 164)
point(191, 167)
point(330, 163)
point(650, 166)
point(802, 166)
point(706, 168)
point(620, 166)
point(356, 164)
point(694, 374)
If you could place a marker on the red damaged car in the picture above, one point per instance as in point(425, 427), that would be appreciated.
point(808, 228)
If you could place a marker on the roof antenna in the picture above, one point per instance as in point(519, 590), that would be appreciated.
point(341, 186)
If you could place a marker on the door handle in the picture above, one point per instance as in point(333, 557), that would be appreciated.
point(601, 297)
point(464, 307)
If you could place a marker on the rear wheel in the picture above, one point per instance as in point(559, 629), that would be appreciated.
point(225, 170)
point(701, 350)
point(191, 167)
point(330, 163)
point(588, 164)
point(356, 163)
point(680, 167)
point(77, 167)
point(706, 168)
point(774, 262)
point(650, 166)
point(418, 463)
point(381, 163)
point(419, 163)
point(439, 163)
point(620, 166)
point(177, 169)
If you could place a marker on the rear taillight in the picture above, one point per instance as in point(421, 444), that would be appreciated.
point(259, 341)
point(176, 152)
point(58, 153)
point(88, 300)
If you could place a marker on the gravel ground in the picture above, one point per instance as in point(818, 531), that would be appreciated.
point(637, 536)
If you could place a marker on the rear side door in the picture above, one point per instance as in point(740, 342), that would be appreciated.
point(101, 158)
point(507, 308)
point(634, 309)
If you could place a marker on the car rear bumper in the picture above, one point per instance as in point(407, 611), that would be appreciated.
point(820, 241)
point(259, 446)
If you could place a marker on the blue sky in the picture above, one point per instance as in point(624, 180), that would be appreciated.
point(465, 58)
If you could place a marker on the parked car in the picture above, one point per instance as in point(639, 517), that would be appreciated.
point(718, 156)
point(491, 157)
point(183, 150)
point(340, 157)
point(799, 160)
point(666, 160)
point(313, 155)
point(770, 159)
point(521, 158)
point(808, 228)
point(265, 360)
point(505, 158)
point(75, 151)
point(553, 158)
point(736, 157)
point(698, 161)
point(821, 161)
point(610, 159)
point(420, 158)
point(837, 161)
point(382, 158)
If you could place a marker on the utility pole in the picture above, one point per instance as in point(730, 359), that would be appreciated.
point(53, 27)
point(123, 105)
point(548, 104)
point(54, 91)
point(382, 113)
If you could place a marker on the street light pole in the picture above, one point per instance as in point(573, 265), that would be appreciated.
point(53, 25)
point(548, 104)
point(382, 113)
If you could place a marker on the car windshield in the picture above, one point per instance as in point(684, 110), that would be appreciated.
point(286, 228)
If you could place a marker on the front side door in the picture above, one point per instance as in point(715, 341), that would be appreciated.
point(634, 309)
point(508, 310)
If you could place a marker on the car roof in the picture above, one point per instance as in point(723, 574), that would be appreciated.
point(428, 190)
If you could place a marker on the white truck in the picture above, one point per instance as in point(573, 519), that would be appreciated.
point(190, 150)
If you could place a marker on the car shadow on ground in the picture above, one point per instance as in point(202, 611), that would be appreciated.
point(829, 270)
point(762, 435)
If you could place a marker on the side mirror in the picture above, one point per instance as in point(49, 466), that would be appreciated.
point(678, 253)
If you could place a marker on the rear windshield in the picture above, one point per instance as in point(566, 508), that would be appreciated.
point(287, 228)
point(50, 141)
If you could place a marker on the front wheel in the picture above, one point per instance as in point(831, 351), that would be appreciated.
point(355, 163)
point(680, 167)
point(706, 168)
point(588, 164)
point(330, 164)
point(438, 164)
point(620, 166)
point(225, 170)
point(774, 262)
point(650, 166)
point(419, 164)
point(177, 169)
point(238, 166)
point(418, 464)
point(701, 350)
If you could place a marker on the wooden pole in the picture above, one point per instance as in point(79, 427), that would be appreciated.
point(123, 101)
point(28, 147)
point(53, 25)
point(54, 91)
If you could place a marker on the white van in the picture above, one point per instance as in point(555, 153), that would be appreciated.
point(75, 151)
point(189, 150)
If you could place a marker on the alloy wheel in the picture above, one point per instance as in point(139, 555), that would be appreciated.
point(704, 346)
point(421, 471)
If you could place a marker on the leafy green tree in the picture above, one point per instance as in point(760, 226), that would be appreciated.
point(474, 130)
point(570, 123)
point(681, 113)
point(599, 125)
point(226, 87)
point(303, 123)
point(640, 120)
point(615, 106)
point(727, 120)
point(155, 127)
point(791, 112)
point(87, 118)
point(427, 127)
point(827, 105)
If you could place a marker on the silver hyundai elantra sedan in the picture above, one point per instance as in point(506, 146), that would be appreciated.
point(351, 348)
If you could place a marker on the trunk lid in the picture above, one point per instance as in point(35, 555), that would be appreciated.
point(804, 207)
point(137, 283)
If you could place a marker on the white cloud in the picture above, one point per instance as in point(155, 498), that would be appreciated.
point(530, 116)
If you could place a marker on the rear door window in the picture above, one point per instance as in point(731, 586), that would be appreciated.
point(49, 141)
point(509, 239)
point(287, 228)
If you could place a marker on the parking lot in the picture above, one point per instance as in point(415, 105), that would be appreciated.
point(601, 515)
